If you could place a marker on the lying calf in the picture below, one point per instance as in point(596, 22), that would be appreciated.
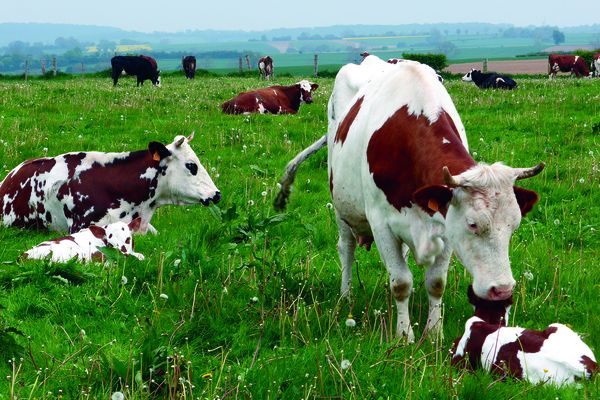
point(85, 245)
point(489, 80)
point(556, 354)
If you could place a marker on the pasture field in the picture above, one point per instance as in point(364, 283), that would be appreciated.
point(239, 301)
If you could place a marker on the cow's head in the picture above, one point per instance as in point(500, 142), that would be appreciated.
point(117, 235)
point(306, 89)
point(468, 76)
point(185, 180)
point(482, 209)
point(156, 78)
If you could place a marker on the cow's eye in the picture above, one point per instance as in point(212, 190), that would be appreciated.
point(192, 167)
point(473, 227)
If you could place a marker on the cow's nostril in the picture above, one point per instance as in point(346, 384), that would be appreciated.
point(500, 292)
point(217, 197)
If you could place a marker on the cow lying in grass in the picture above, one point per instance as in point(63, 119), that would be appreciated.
point(555, 355)
point(489, 80)
point(85, 245)
point(272, 100)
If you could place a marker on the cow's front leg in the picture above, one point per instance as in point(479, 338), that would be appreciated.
point(346, 249)
point(435, 283)
point(390, 249)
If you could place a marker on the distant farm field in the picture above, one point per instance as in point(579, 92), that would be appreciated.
point(238, 301)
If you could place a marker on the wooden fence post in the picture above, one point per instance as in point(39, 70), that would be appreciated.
point(26, 68)
point(485, 68)
point(43, 62)
point(240, 65)
point(316, 65)
point(53, 66)
point(248, 62)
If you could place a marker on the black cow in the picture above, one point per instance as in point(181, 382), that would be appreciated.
point(189, 66)
point(489, 80)
point(143, 67)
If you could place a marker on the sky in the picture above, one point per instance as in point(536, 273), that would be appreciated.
point(179, 15)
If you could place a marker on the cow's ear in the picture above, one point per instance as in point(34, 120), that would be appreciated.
point(313, 87)
point(433, 198)
point(135, 224)
point(526, 199)
point(158, 151)
point(97, 231)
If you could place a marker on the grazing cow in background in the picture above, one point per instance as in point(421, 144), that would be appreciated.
point(189, 66)
point(72, 191)
point(567, 63)
point(596, 64)
point(85, 245)
point(265, 67)
point(400, 175)
point(143, 67)
point(271, 100)
point(555, 355)
point(395, 60)
point(489, 80)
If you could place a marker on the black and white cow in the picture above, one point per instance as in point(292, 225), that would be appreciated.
point(489, 80)
point(143, 67)
point(71, 191)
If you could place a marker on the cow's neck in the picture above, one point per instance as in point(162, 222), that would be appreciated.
point(293, 94)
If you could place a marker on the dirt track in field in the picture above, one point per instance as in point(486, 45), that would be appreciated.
point(509, 67)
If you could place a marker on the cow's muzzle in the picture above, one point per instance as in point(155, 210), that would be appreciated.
point(215, 199)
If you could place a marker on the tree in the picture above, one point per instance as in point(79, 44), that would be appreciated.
point(558, 36)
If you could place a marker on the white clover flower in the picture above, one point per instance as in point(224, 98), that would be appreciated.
point(308, 180)
point(176, 262)
point(225, 291)
point(123, 280)
point(346, 364)
point(264, 193)
point(82, 333)
point(591, 153)
point(557, 222)
point(254, 299)
point(278, 185)
point(528, 275)
point(581, 180)
point(329, 206)
point(117, 396)
point(250, 203)
point(45, 149)
point(164, 296)
point(474, 154)
point(350, 322)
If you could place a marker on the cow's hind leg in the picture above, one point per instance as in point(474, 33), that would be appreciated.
point(401, 281)
point(435, 283)
point(346, 248)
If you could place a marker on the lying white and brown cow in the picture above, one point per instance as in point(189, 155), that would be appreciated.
point(71, 191)
point(400, 175)
point(555, 355)
point(272, 100)
point(567, 63)
point(265, 67)
point(85, 245)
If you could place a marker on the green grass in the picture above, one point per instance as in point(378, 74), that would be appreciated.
point(253, 308)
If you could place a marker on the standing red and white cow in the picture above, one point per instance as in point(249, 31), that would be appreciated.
point(265, 67)
point(567, 63)
point(400, 174)
point(71, 191)
point(271, 100)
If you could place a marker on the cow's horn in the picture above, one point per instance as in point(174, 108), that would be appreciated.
point(180, 141)
point(522, 173)
point(189, 138)
point(450, 180)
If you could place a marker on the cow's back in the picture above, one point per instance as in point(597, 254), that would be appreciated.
point(390, 98)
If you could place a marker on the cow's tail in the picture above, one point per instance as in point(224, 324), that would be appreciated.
point(290, 172)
